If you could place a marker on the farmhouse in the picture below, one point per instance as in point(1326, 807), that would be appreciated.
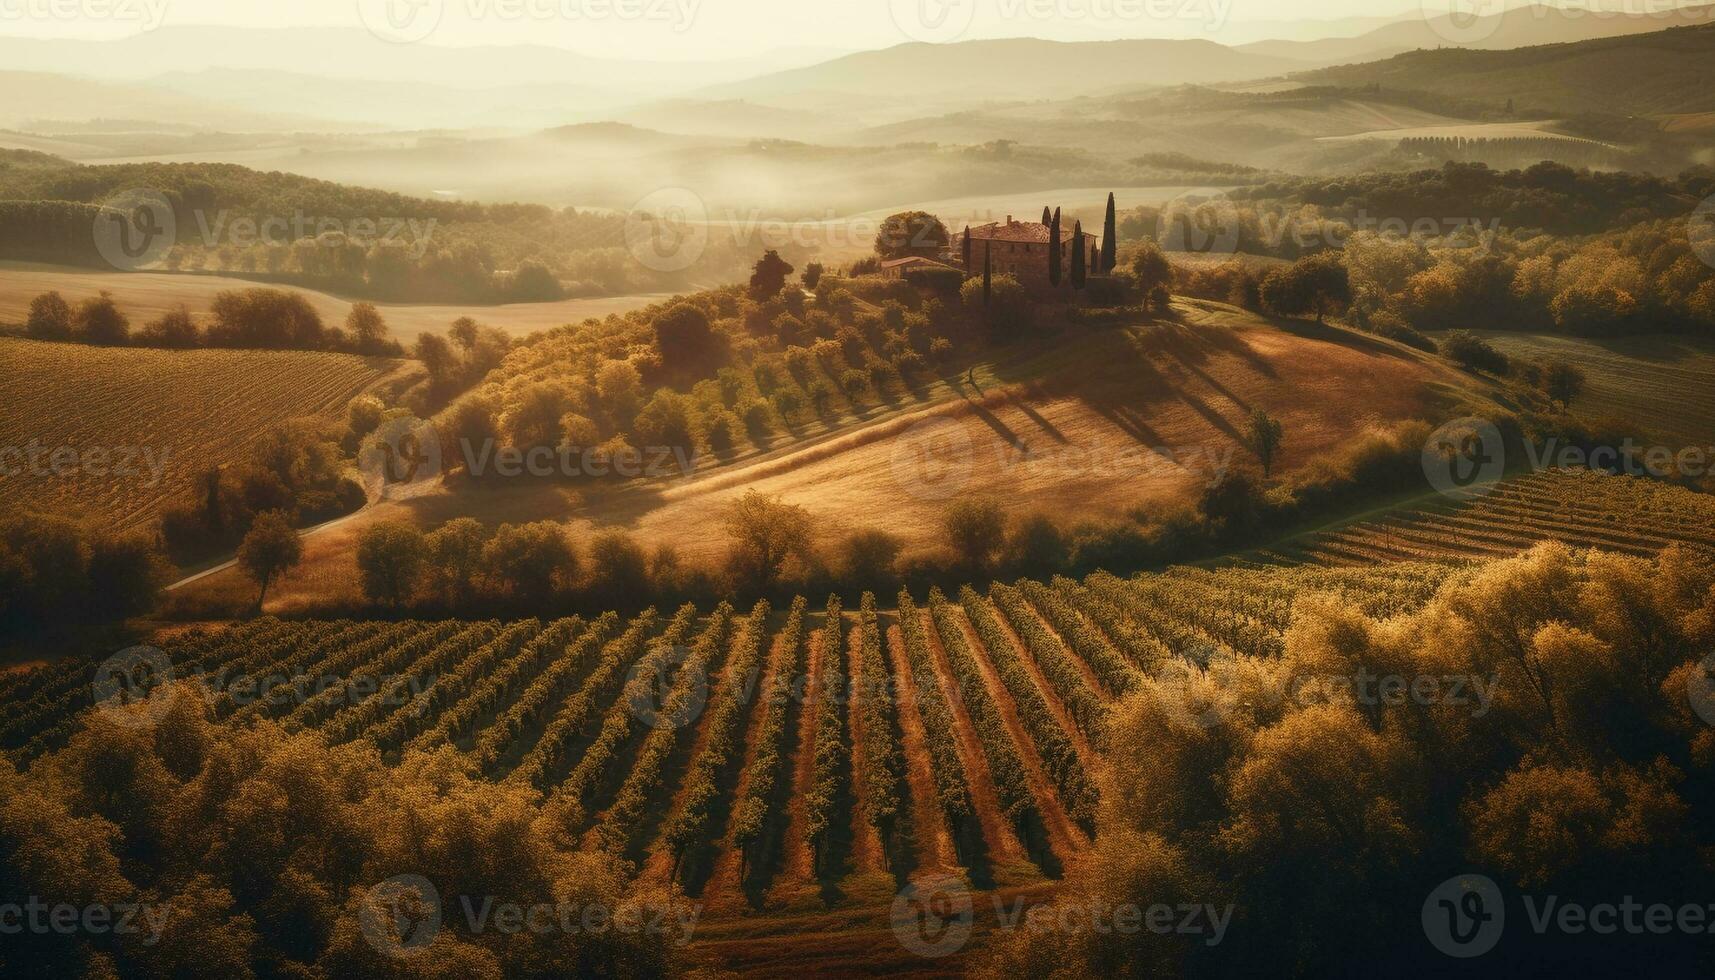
point(897, 268)
point(1020, 249)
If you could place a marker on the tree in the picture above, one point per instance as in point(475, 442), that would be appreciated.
point(813, 272)
point(455, 557)
point(1047, 215)
point(765, 533)
point(768, 276)
point(867, 557)
point(966, 247)
point(463, 332)
point(49, 318)
point(367, 329)
point(988, 273)
point(1154, 275)
point(1110, 239)
point(1056, 253)
point(619, 570)
point(1263, 434)
point(1473, 353)
point(911, 233)
point(1079, 270)
point(531, 560)
point(1563, 382)
point(99, 321)
point(975, 528)
point(270, 550)
point(174, 329)
point(390, 562)
point(683, 334)
point(1314, 284)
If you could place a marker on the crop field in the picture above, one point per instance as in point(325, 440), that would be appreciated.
point(1663, 384)
point(134, 427)
point(1579, 508)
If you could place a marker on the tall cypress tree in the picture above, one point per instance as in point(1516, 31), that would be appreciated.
point(1046, 217)
point(1078, 270)
point(967, 249)
point(1055, 255)
point(1110, 239)
point(988, 272)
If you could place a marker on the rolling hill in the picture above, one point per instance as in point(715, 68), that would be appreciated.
point(1665, 72)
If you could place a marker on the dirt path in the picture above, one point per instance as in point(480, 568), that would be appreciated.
point(797, 866)
point(724, 889)
point(866, 843)
point(1065, 837)
point(931, 839)
point(1081, 743)
point(1003, 844)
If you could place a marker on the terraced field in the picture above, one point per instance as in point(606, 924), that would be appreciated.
point(791, 768)
point(164, 416)
point(1580, 508)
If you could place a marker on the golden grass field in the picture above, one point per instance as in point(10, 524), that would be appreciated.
point(1090, 429)
point(146, 295)
point(163, 415)
point(1664, 385)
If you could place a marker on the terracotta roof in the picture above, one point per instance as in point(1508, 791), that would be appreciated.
point(1033, 232)
point(912, 260)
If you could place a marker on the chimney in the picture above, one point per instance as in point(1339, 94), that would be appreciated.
point(1009, 219)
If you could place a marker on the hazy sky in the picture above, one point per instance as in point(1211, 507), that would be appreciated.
point(679, 29)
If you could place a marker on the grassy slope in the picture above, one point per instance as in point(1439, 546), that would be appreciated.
point(1072, 429)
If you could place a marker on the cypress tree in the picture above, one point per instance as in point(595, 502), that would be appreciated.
point(1110, 239)
point(1054, 251)
point(967, 249)
point(988, 271)
point(1078, 270)
point(1046, 217)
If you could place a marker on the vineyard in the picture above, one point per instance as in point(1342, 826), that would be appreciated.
point(779, 764)
point(143, 423)
point(1579, 508)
